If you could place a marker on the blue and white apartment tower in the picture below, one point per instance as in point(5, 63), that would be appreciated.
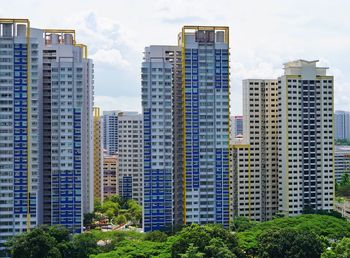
point(157, 91)
point(206, 109)
point(185, 100)
point(68, 130)
point(20, 89)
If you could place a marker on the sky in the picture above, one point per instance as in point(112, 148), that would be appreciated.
point(263, 35)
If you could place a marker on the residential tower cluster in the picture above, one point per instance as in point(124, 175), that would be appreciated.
point(184, 159)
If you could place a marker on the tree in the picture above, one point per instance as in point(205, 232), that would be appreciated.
point(217, 248)
point(36, 243)
point(240, 224)
point(134, 211)
point(116, 208)
point(121, 219)
point(201, 236)
point(137, 249)
point(192, 252)
point(88, 219)
point(329, 227)
point(156, 236)
point(345, 180)
point(338, 250)
point(84, 245)
point(59, 232)
point(289, 243)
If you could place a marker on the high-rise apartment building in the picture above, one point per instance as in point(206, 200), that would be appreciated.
point(130, 155)
point(110, 131)
point(254, 164)
point(260, 112)
point(185, 100)
point(157, 93)
point(236, 127)
point(306, 181)
point(68, 130)
point(341, 161)
point(110, 175)
point(20, 127)
point(98, 166)
point(46, 95)
point(205, 76)
point(342, 125)
point(244, 199)
point(288, 143)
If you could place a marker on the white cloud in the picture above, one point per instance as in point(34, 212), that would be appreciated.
point(111, 57)
point(263, 35)
point(124, 103)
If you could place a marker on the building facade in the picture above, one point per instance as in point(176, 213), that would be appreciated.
point(157, 92)
point(236, 127)
point(98, 166)
point(341, 161)
point(110, 175)
point(205, 76)
point(46, 95)
point(185, 100)
point(242, 189)
point(130, 155)
point(342, 125)
point(68, 127)
point(305, 94)
point(20, 128)
point(260, 112)
point(110, 131)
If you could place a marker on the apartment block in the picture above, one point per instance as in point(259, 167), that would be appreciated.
point(260, 112)
point(341, 161)
point(185, 100)
point(236, 127)
point(46, 128)
point(305, 96)
point(98, 166)
point(130, 155)
point(342, 125)
point(110, 175)
point(20, 127)
point(205, 76)
point(68, 130)
point(158, 80)
point(244, 199)
point(110, 131)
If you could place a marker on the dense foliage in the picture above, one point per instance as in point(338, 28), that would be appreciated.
point(52, 242)
point(117, 210)
point(310, 235)
point(326, 226)
point(342, 142)
point(338, 250)
point(289, 243)
point(342, 188)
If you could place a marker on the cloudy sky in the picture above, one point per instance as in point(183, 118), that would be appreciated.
point(263, 35)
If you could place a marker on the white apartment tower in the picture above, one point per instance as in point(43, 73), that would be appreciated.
point(130, 157)
point(244, 199)
point(260, 113)
point(254, 164)
point(341, 161)
point(306, 180)
point(342, 125)
point(20, 128)
point(110, 131)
